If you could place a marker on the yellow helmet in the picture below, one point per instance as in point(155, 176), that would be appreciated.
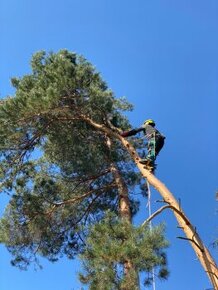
point(149, 122)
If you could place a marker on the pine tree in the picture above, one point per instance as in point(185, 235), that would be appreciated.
point(70, 178)
point(66, 165)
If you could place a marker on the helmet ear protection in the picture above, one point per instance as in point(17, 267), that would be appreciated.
point(149, 122)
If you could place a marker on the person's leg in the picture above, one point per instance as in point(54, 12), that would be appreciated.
point(159, 143)
point(151, 150)
point(150, 157)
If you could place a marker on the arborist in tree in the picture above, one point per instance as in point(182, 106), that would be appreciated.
point(154, 137)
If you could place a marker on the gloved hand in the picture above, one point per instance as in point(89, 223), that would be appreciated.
point(128, 133)
point(124, 134)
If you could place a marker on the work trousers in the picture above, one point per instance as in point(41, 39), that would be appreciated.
point(155, 144)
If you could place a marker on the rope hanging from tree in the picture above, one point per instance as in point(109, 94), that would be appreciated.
point(150, 226)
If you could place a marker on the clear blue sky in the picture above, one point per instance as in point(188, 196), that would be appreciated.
point(162, 55)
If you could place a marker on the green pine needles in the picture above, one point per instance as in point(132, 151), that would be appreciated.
point(111, 243)
point(64, 168)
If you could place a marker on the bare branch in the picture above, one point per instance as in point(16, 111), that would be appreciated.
point(191, 240)
point(155, 214)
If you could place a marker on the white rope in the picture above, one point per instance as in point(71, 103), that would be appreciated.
point(150, 226)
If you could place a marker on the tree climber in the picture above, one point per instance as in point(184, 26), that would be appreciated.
point(154, 137)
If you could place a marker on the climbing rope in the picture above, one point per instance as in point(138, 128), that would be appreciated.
point(150, 226)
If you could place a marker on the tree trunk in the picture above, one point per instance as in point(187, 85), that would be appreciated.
point(201, 251)
point(124, 210)
point(125, 213)
point(124, 204)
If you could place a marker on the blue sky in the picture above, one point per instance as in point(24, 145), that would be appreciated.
point(161, 55)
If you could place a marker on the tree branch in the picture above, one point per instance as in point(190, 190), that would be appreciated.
point(79, 197)
point(192, 241)
point(155, 214)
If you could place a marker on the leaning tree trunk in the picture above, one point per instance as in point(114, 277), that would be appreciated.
point(201, 251)
point(192, 236)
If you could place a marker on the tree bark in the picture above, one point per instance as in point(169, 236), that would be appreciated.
point(124, 203)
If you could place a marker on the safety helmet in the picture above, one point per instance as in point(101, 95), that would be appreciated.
point(149, 122)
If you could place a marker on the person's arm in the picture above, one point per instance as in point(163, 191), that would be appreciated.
point(131, 132)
